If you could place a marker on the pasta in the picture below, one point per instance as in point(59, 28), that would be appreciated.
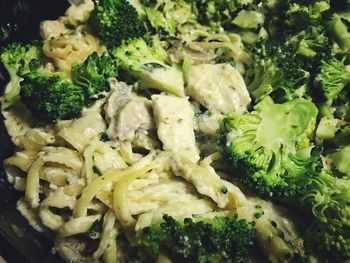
point(81, 131)
point(68, 160)
point(66, 48)
point(101, 156)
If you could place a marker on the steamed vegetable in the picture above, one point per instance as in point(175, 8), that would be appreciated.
point(18, 59)
point(93, 74)
point(270, 147)
point(329, 234)
point(51, 97)
point(114, 21)
point(333, 78)
point(277, 71)
point(221, 239)
point(148, 63)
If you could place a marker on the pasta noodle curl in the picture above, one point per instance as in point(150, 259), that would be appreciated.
point(68, 49)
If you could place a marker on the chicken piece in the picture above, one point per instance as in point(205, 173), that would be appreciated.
point(120, 96)
point(126, 112)
point(137, 114)
point(218, 87)
point(175, 123)
point(209, 122)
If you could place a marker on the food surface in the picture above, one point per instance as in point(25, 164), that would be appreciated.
point(185, 131)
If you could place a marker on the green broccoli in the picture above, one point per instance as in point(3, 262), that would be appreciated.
point(116, 20)
point(278, 72)
point(333, 133)
point(301, 14)
point(340, 161)
point(220, 239)
point(148, 64)
point(249, 19)
point(18, 59)
point(93, 74)
point(341, 105)
point(162, 25)
point(297, 16)
point(339, 32)
point(313, 43)
point(333, 77)
point(328, 198)
point(270, 147)
point(341, 137)
point(217, 13)
point(51, 97)
point(162, 19)
point(327, 128)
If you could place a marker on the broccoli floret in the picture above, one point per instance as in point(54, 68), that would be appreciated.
point(313, 43)
point(51, 97)
point(340, 161)
point(278, 72)
point(93, 74)
point(148, 64)
point(221, 239)
point(301, 14)
point(216, 13)
point(297, 16)
point(341, 137)
point(18, 59)
point(162, 25)
point(116, 20)
point(339, 32)
point(341, 105)
point(328, 198)
point(327, 129)
point(334, 108)
point(164, 18)
point(333, 133)
point(249, 19)
point(270, 147)
point(334, 76)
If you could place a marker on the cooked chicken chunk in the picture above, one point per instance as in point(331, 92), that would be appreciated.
point(126, 112)
point(134, 116)
point(218, 87)
point(120, 96)
point(175, 123)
